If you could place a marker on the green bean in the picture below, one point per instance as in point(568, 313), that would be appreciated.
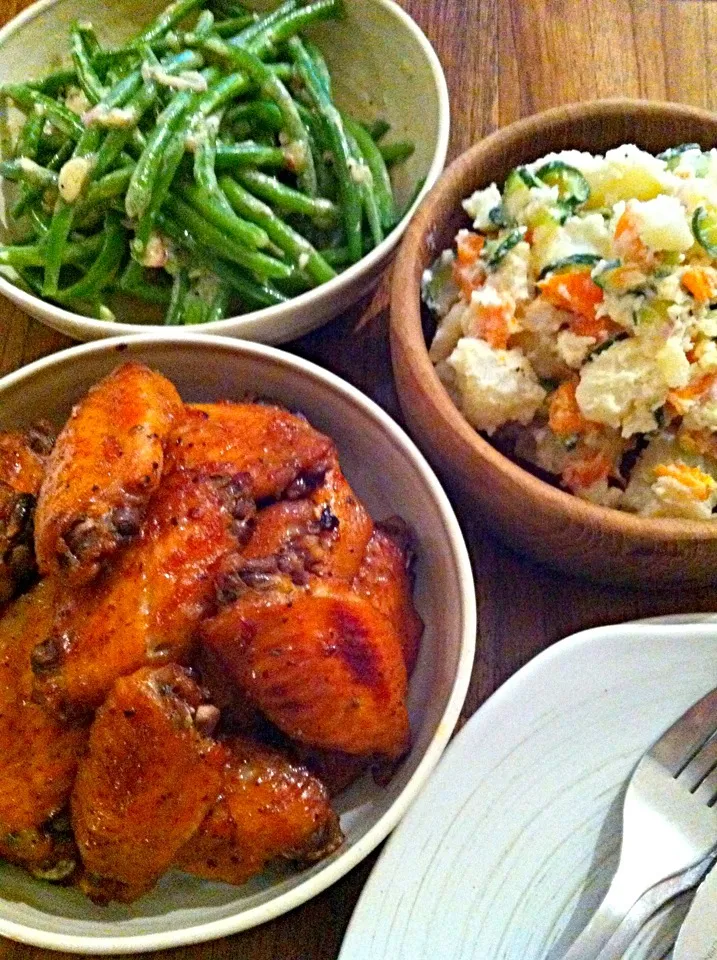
point(294, 22)
point(321, 150)
point(177, 304)
point(27, 171)
point(139, 191)
point(204, 24)
point(260, 26)
point(195, 310)
point(28, 98)
point(394, 153)
point(228, 28)
point(340, 147)
point(249, 154)
point(323, 212)
point(273, 88)
point(378, 129)
point(89, 36)
point(33, 254)
point(219, 305)
point(35, 195)
point(368, 195)
point(213, 239)
point(256, 293)
point(227, 8)
point(64, 212)
point(204, 202)
point(287, 239)
point(40, 223)
point(88, 79)
point(168, 18)
point(104, 268)
point(55, 82)
point(264, 112)
point(173, 156)
point(320, 64)
point(133, 282)
point(29, 139)
point(373, 159)
point(106, 188)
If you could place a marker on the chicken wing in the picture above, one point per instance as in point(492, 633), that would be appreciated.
point(38, 755)
point(321, 662)
point(325, 533)
point(22, 465)
point(384, 579)
point(147, 782)
point(146, 607)
point(281, 454)
point(106, 464)
point(269, 807)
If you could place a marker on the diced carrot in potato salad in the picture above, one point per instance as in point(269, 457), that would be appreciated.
point(577, 324)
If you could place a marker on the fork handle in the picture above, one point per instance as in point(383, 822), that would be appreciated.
point(613, 928)
point(603, 925)
point(618, 902)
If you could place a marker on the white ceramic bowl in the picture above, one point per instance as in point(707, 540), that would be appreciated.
point(392, 477)
point(383, 66)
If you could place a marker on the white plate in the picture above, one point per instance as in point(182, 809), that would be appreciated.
point(511, 846)
point(392, 477)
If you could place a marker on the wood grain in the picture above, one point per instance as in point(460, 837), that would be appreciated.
point(504, 59)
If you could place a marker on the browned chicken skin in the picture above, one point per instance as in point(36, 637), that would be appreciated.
point(275, 449)
point(146, 608)
point(269, 807)
point(384, 579)
point(22, 466)
point(38, 755)
point(148, 780)
point(106, 464)
point(320, 661)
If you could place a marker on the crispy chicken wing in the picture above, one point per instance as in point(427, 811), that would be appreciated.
point(148, 780)
point(320, 661)
point(38, 755)
point(325, 533)
point(269, 807)
point(384, 580)
point(22, 466)
point(281, 454)
point(146, 607)
point(106, 464)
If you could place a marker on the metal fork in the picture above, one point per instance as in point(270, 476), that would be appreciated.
point(669, 821)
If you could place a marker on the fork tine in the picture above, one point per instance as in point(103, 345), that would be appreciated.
point(697, 769)
point(707, 790)
point(680, 744)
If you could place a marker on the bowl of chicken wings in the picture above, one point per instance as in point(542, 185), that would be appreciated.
point(237, 623)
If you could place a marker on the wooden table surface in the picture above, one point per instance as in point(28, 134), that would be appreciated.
point(504, 59)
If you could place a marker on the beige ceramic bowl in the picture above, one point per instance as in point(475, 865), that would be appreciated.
point(529, 513)
point(392, 477)
point(383, 66)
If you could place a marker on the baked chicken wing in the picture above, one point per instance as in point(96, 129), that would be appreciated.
point(146, 607)
point(280, 453)
point(323, 664)
point(385, 580)
point(269, 808)
point(146, 784)
point(38, 755)
point(22, 466)
point(106, 464)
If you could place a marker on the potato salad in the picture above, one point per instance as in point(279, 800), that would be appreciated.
point(577, 324)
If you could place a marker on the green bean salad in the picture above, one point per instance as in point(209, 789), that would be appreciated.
point(202, 167)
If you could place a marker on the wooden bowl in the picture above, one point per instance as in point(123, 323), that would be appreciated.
point(530, 514)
